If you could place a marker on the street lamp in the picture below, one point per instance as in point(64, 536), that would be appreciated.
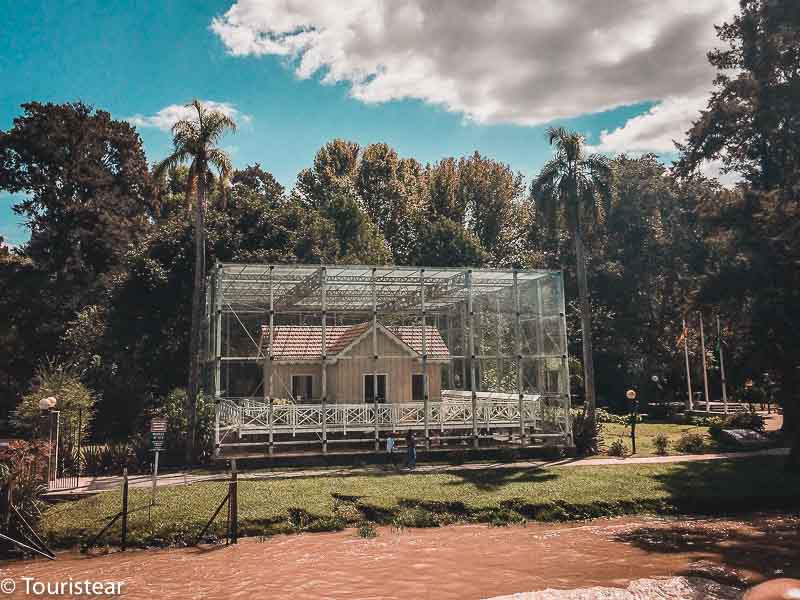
point(48, 405)
point(631, 395)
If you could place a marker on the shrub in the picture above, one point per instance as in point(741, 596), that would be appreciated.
point(62, 382)
point(690, 443)
point(661, 443)
point(585, 434)
point(746, 420)
point(173, 408)
point(617, 448)
point(715, 426)
point(414, 517)
point(603, 416)
point(367, 530)
point(23, 469)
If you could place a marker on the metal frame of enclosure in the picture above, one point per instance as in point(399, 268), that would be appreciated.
point(503, 381)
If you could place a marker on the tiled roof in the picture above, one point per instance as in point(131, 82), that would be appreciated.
point(304, 342)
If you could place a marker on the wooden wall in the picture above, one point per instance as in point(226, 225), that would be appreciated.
point(345, 378)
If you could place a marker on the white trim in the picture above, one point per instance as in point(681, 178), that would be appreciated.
point(396, 339)
point(364, 387)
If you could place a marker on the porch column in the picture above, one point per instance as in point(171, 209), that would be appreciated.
point(541, 372)
point(217, 343)
point(375, 359)
point(518, 348)
point(324, 285)
point(425, 387)
point(471, 338)
point(565, 361)
point(268, 362)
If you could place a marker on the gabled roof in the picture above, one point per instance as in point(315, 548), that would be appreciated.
point(304, 342)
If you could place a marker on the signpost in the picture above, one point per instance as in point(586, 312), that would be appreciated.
point(158, 434)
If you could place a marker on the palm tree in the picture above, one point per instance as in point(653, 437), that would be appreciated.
point(574, 188)
point(194, 141)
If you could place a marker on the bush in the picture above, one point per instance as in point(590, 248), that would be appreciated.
point(603, 416)
point(586, 434)
point(367, 530)
point(62, 382)
point(690, 443)
point(746, 420)
point(173, 408)
point(617, 448)
point(23, 469)
point(661, 443)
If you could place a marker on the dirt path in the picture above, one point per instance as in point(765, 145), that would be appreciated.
point(458, 562)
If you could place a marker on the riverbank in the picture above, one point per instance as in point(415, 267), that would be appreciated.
point(490, 495)
point(472, 561)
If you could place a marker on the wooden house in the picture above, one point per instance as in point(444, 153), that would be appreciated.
point(295, 371)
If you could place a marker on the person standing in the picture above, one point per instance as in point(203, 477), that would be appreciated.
point(390, 448)
point(411, 449)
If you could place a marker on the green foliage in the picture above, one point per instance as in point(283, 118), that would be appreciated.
point(617, 448)
point(367, 530)
point(604, 416)
point(173, 408)
point(445, 243)
point(23, 468)
point(661, 444)
point(73, 399)
point(690, 443)
point(586, 433)
point(740, 420)
point(430, 498)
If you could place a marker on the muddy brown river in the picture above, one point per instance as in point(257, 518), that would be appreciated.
point(470, 561)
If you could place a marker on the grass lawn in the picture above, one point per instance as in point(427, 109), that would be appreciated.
point(645, 432)
point(496, 496)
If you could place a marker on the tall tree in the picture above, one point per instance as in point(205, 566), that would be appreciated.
point(752, 124)
point(574, 188)
point(195, 141)
point(85, 180)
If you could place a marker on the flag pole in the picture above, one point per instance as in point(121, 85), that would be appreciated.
point(688, 372)
point(705, 371)
point(722, 369)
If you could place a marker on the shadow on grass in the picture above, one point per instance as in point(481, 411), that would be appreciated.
point(768, 546)
point(495, 478)
point(731, 486)
point(765, 543)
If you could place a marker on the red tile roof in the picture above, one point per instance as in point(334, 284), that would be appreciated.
point(304, 342)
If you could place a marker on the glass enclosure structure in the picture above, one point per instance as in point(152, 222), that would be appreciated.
point(318, 358)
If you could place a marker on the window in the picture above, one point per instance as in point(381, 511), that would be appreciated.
point(369, 388)
point(418, 387)
point(302, 387)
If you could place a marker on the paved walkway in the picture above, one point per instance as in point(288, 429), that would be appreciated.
point(92, 485)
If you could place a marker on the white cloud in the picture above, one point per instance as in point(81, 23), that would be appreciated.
point(517, 61)
point(169, 115)
point(655, 130)
point(713, 170)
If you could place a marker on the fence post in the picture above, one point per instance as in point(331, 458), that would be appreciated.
point(124, 509)
point(233, 503)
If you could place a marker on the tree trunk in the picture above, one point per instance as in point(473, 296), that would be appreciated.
point(586, 327)
point(790, 401)
point(197, 313)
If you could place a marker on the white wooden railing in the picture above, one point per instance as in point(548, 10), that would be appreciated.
point(548, 414)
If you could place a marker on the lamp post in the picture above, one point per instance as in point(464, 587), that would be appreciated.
point(631, 395)
point(46, 405)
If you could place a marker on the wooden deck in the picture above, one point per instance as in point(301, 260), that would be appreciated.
point(251, 423)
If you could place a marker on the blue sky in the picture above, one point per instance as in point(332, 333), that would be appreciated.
point(417, 89)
